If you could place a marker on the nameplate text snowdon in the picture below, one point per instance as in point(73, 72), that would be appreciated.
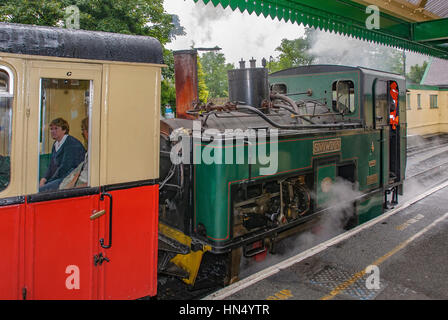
point(326, 146)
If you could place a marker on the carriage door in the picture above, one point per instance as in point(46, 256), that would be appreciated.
point(11, 208)
point(61, 225)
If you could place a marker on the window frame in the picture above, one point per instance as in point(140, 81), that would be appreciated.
point(380, 105)
point(9, 94)
point(279, 84)
point(433, 105)
point(11, 76)
point(351, 96)
point(42, 112)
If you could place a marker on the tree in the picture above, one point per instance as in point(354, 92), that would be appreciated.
point(215, 69)
point(38, 12)
point(137, 17)
point(417, 72)
point(293, 53)
point(168, 88)
point(168, 94)
point(394, 61)
point(202, 87)
point(140, 17)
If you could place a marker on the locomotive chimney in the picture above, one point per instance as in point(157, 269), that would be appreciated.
point(253, 63)
point(242, 64)
point(186, 77)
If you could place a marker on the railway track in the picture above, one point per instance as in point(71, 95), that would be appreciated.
point(428, 173)
point(428, 145)
point(170, 288)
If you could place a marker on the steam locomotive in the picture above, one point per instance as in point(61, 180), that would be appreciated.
point(228, 180)
point(238, 177)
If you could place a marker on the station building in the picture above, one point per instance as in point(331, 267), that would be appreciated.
point(427, 102)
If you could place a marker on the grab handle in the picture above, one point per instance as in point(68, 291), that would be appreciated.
point(110, 221)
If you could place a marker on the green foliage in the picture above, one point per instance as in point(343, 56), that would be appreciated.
point(38, 12)
point(215, 68)
point(202, 87)
point(417, 72)
point(168, 94)
point(395, 61)
point(140, 17)
point(293, 53)
point(137, 17)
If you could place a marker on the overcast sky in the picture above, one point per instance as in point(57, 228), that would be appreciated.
point(241, 35)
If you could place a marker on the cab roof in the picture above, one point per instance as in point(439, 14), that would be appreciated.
point(326, 68)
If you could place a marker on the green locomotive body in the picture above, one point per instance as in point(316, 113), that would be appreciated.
point(321, 144)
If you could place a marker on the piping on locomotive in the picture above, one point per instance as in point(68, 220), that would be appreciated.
point(313, 125)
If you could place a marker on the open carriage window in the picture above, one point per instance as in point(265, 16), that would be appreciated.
point(6, 98)
point(64, 134)
point(344, 96)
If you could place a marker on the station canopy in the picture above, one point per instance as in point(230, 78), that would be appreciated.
point(415, 25)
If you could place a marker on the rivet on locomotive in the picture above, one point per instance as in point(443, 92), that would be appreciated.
point(237, 178)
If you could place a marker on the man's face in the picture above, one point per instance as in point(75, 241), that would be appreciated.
point(56, 132)
point(85, 133)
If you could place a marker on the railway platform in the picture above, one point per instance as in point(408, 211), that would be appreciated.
point(400, 255)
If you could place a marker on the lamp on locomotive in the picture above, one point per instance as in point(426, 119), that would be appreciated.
point(393, 92)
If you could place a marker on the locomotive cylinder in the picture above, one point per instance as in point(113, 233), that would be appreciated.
point(249, 85)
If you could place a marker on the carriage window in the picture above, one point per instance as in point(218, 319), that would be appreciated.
point(344, 96)
point(6, 98)
point(64, 134)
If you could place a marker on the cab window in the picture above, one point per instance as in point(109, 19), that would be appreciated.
point(6, 99)
point(64, 139)
point(344, 96)
point(381, 104)
point(279, 88)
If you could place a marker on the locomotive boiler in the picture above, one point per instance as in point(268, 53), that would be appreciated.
point(238, 177)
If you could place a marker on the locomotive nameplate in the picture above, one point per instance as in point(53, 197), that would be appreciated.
point(372, 179)
point(326, 146)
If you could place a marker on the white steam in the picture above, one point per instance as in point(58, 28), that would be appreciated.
point(342, 195)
